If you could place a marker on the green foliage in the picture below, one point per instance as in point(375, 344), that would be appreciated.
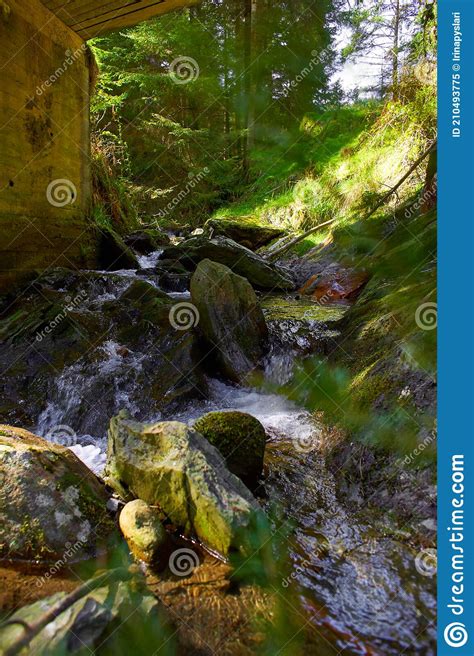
point(371, 384)
point(194, 94)
point(113, 204)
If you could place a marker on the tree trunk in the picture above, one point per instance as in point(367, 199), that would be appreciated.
point(253, 75)
point(396, 40)
point(247, 80)
point(430, 188)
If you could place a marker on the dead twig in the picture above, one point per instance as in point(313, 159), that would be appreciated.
point(32, 630)
point(291, 243)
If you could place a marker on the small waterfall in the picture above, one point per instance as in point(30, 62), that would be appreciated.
point(149, 261)
point(297, 328)
point(78, 400)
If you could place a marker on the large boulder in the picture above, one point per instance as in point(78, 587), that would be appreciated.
point(240, 438)
point(52, 507)
point(247, 233)
point(230, 319)
point(141, 527)
point(169, 465)
point(113, 253)
point(241, 260)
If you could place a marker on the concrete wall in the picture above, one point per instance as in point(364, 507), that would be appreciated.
point(44, 137)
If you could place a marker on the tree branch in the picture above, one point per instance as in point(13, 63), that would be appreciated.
point(32, 630)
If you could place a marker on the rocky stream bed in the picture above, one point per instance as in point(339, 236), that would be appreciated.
point(148, 348)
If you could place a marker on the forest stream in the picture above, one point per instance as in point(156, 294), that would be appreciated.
point(355, 577)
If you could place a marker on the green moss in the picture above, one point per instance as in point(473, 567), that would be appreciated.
point(32, 540)
point(281, 308)
point(241, 440)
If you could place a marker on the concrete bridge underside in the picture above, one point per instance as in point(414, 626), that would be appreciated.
point(44, 127)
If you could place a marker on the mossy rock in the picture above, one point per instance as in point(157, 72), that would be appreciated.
point(241, 440)
point(247, 233)
point(230, 319)
point(141, 292)
point(113, 252)
point(244, 262)
point(173, 467)
point(141, 527)
point(52, 505)
point(60, 323)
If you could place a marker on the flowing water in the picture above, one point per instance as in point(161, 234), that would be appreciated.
point(359, 586)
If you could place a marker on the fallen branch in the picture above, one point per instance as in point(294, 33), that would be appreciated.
point(402, 180)
point(32, 630)
point(291, 243)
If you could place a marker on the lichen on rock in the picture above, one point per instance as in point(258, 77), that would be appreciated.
point(51, 506)
point(167, 464)
point(141, 527)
